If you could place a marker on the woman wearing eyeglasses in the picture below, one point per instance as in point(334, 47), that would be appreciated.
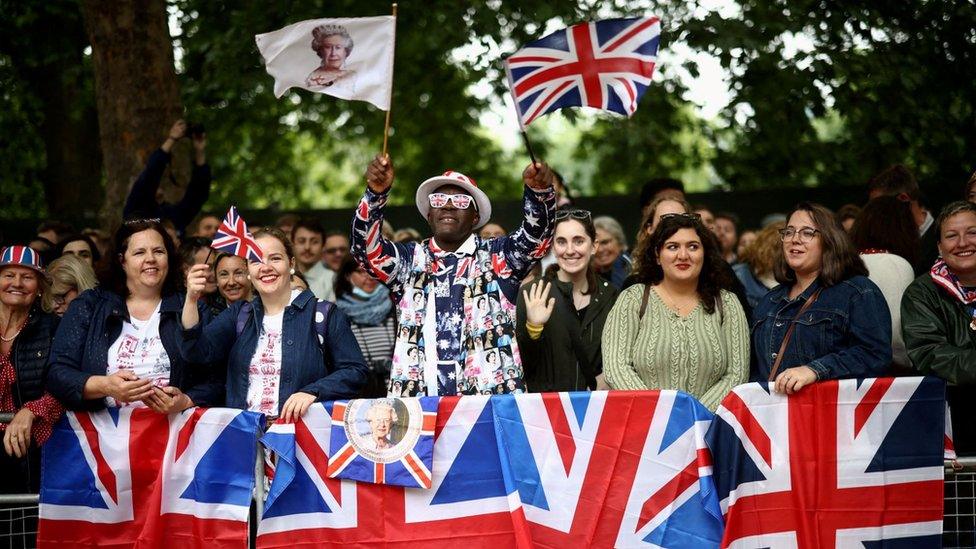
point(70, 276)
point(826, 319)
point(680, 327)
point(560, 318)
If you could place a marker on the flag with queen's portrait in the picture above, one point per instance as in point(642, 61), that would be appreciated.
point(383, 441)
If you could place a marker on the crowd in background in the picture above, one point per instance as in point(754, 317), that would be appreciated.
point(152, 316)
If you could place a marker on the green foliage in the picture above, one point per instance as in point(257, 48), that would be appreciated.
point(21, 151)
point(309, 149)
point(823, 92)
point(874, 83)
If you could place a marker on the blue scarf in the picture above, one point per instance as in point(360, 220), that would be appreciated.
point(367, 309)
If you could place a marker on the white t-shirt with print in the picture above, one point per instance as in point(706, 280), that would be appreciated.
point(264, 373)
point(140, 350)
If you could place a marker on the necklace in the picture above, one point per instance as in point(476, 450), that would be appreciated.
point(670, 299)
point(13, 337)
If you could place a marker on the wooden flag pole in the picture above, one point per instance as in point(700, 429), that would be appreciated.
point(386, 127)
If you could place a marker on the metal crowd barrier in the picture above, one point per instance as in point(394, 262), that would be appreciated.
point(959, 504)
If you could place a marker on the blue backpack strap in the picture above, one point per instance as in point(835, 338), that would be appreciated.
point(242, 314)
point(321, 320)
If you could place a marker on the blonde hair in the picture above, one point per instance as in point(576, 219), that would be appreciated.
point(66, 273)
point(761, 255)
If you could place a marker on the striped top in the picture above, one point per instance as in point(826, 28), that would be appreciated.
point(376, 342)
point(700, 354)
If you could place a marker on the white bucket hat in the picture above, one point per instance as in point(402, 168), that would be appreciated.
point(460, 180)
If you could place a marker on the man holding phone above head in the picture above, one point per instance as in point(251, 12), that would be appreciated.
point(436, 283)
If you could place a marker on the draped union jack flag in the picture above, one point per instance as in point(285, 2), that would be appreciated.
point(604, 64)
point(600, 469)
point(136, 478)
point(849, 463)
point(234, 238)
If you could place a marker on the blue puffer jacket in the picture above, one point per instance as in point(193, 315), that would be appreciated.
point(91, 325)
point(341, 373)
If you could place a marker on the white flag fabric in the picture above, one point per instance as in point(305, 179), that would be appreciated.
point(348, 58)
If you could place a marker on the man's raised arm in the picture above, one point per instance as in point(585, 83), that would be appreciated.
point(530, 242)
point(382, 259)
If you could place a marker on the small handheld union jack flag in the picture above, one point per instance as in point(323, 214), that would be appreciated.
point(604, 64)
point(233, 238)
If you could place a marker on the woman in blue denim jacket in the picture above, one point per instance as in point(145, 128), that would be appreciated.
point(119, 344)
point(844, 333)
point(277, 361)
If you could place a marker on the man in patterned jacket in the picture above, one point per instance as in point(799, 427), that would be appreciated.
point(454, 289)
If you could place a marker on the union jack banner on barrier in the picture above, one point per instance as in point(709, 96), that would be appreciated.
point(131, 477)
point(383, 440)
point(604, 64)
point(233, 238)
point(625, 469)
point(851, 463)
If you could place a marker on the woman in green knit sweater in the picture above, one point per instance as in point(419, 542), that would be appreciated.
point(680, 328)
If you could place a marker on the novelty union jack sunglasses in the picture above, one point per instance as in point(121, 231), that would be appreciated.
point(460, 201)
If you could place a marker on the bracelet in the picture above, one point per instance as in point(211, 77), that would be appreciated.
point(534, 330)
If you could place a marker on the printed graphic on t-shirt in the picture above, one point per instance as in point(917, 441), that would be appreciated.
point(139, 350)
point(265, 373)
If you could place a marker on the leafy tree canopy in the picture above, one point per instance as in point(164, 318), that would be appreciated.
point(823, 92)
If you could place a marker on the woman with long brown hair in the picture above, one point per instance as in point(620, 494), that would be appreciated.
point(680, 328)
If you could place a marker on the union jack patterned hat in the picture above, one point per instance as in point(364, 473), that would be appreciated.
point(22, 256)
point(460, 180)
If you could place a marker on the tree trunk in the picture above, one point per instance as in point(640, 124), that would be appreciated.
point(135, 89)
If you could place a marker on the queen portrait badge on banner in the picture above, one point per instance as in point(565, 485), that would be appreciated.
point(383, 440)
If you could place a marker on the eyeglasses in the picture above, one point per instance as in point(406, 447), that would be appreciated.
point(460, 201)
point(806, 234)
point(60, 299)
point(575, 214)
point(691, 216)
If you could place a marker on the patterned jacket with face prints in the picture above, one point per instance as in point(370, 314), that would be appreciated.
point(450, 304)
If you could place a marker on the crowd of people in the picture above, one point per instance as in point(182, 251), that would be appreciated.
point(153, 317)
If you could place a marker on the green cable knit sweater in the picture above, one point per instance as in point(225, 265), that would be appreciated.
point(698, 354)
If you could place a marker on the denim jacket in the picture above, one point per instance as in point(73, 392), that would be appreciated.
point(845, 333)
point(91, 325)
point(303, 368)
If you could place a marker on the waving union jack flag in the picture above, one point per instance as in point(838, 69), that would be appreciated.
point(605, 64)
point(234, 238)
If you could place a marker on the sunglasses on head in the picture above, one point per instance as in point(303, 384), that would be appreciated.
point(691, 216)
point(460, 201)
point(575, 214)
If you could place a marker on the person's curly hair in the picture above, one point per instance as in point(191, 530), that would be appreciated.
point(714, 275)
point(321, 32)
point(761, 256)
